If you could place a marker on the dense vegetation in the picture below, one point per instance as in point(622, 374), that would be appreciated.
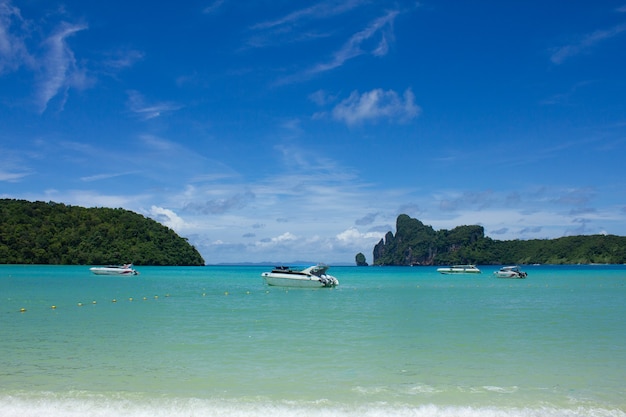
point(53, 233)
point(417, 244)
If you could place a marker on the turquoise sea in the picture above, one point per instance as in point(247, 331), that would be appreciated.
point(389, 341)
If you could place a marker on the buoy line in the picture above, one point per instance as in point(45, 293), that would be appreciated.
point(155, 297)
point(94, 302)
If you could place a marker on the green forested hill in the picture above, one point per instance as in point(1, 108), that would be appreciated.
point(53, 233)
point(417, 244)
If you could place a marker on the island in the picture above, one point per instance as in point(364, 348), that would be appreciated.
point(415, 243)
point(58, 234)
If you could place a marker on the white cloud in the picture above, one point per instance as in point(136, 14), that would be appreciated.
point(168, 218)
point(353, 237)
point(377, 104)
point(285, 237)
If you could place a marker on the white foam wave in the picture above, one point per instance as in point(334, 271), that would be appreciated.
point(502, 390)
point(70, 405)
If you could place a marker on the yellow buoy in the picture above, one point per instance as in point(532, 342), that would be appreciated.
point(53, 307)
point(22, 310)
point(114, 301)
point(130, 299)
point(93, 302)
point(80, 304)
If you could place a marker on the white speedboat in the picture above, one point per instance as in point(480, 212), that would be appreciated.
point(510, 272)
point(459, 269)
point(311, 277)
point(126, 269)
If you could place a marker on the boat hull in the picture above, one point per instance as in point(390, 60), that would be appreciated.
point(291, 281)
point(469, 269)
point(312, 277)
point(113, 271)
point(510, 272)
point(510, 276)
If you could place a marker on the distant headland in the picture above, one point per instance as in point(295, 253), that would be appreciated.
point(418, 244)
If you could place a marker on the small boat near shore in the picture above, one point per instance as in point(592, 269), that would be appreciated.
point(510, 272)
point(459, 269)
point(312, 277)
point(126, 269)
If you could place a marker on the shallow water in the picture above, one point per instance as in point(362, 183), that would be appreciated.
point(388, 341)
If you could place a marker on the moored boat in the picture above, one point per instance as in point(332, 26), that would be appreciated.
point(510, 272)
point(459, 269)
point(312, 277)
point(126, 269)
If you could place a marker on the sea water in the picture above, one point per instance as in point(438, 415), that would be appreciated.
point(388, 341)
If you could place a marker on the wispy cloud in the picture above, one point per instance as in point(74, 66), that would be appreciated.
point(373, 39)
point(222, 205)
point(59, 68)
point(289, 28)
point(354, 46)
point(531, 230)
point(122, 59)
point(366, 220)
point(576, 197)
point(137, 105)
point(375, 105)
point(100, 177)
point(321, 97)
point(14, 166)
point(324, 9)
point(213, 7)
point(9, 176)
point(48, 56)
point(586, 43)
point(13, 31)
point(478, 200)
point(564, 98)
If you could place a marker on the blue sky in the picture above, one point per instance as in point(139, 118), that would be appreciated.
point(281, 131)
